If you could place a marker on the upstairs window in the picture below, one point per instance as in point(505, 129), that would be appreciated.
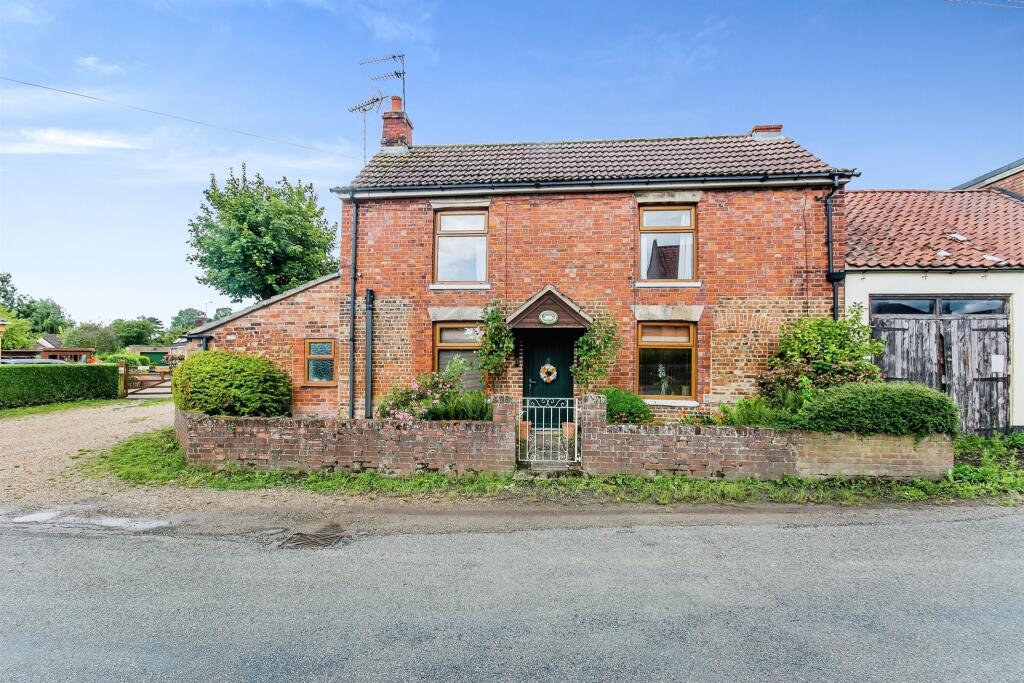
point(666, 360)
point(459, 340)
point(668, 242)
point(460, 247)
point(320, 356)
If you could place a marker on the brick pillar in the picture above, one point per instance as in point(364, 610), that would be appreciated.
point(593, 418)
point(506, 409)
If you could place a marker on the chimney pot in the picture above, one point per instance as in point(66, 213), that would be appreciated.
point(396, 103)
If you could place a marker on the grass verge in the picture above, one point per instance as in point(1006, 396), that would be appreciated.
point(156, 458)
point(71, 405)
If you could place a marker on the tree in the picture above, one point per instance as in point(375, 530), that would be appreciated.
point(18, 334)
point(9, 297)
point(138, 331)
point(90, 336)
point(222, 312)
point(255, 240)
point(45, 315)
point(186, 319)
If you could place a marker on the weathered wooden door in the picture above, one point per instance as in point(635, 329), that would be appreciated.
point(965, 355)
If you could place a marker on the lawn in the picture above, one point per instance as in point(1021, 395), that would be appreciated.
point(985, 470)
point(71, 405)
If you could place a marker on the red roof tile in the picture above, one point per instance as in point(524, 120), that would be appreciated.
point(589, 160)
point(934, 229)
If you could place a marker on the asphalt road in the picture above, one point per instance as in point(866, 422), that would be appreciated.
point(926, 598)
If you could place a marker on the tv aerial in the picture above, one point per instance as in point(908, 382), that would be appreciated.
point(397, 74)
point(367, 105)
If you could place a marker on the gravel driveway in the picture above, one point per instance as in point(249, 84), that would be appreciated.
point(37, 450)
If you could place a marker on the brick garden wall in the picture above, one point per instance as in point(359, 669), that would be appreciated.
point(326, 444)
point(394, 448)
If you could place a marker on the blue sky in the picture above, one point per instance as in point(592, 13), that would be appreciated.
point(95, 198)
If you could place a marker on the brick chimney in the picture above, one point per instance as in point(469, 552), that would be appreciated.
point(200, 321)
point(766, 130)
point(397, 134)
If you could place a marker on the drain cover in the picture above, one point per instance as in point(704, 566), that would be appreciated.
point(302, 541)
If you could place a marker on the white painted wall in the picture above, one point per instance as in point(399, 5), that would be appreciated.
point(859, 285)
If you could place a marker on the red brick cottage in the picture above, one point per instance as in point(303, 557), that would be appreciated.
point(699, 248)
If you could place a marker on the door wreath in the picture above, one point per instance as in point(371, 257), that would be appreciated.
point(548, 373)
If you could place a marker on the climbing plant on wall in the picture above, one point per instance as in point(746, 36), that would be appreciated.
point(595, 352)
point(496, 343)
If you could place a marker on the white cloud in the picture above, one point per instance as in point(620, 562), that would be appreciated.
point(94, 65)
point(64, 141)
point(22, 13)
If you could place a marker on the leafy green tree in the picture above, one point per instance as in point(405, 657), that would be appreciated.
point(252, 239)
point(18, 334)
point(222, 312)
point(138, 331)
point(91, 336)
point(9, 297)
point(46, 315)
point(186, 319)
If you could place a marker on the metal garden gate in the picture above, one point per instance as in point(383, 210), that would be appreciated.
point(548, 431)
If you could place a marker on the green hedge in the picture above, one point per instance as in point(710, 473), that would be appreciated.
point(879, 408)
point(226, 383)
point(32, 385)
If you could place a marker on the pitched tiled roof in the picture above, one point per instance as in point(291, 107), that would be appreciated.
point(590, 160)
point(934, 229)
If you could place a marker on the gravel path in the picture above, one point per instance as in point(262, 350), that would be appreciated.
point(36, 451)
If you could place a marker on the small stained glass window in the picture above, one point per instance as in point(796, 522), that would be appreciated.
point(320, 361)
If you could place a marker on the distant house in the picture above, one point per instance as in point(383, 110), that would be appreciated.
point(50, 347)
point(941, 276)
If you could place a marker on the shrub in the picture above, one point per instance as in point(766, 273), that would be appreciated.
point(466, 405)
point(815, 353)
point(626, 407)
point(496, 343)
point(32, 385)
point(755, 411)
point(429, 391)
point(595, 351)
point(131, 359)
point(226, 383)
point(879, 408)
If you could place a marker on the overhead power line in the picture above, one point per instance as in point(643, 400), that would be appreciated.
point(176, 117)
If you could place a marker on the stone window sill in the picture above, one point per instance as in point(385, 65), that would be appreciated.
point(671, 403)
point(460, 285)
point(649, 284)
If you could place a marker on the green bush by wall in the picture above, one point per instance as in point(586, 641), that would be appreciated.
point(226, 383)
point(32, 385)
point(626, 407)
point(880, 408)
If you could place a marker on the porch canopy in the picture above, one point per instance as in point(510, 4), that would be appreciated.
point(548, 309)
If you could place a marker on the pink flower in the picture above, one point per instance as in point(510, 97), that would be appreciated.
point(415, 386)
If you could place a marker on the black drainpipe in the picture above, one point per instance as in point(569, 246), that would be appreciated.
point(833, 276)
point(352, 311)
point(369, 354)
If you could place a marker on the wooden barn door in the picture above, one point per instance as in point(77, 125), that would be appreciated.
point(964, 354)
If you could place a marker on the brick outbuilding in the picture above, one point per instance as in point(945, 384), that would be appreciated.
point(698, 248)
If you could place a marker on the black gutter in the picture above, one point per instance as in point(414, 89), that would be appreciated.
point(352, 312)
point(369, 355)
point(833, 276)
point(441, 187)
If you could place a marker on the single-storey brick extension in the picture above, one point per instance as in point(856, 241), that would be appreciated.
point(699, 248)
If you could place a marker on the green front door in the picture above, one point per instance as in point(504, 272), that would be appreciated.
point(543, 352)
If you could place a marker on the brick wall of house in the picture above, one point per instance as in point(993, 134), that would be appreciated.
point(1014, 183)
point(330, 443)
point(278, 333)
point(761, 261)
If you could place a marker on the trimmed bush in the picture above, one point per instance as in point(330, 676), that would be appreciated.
point(755, 411)
point(130, 359)
point(625, 407)
point(879, 408)
point(226, 383)
point(33, 385)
